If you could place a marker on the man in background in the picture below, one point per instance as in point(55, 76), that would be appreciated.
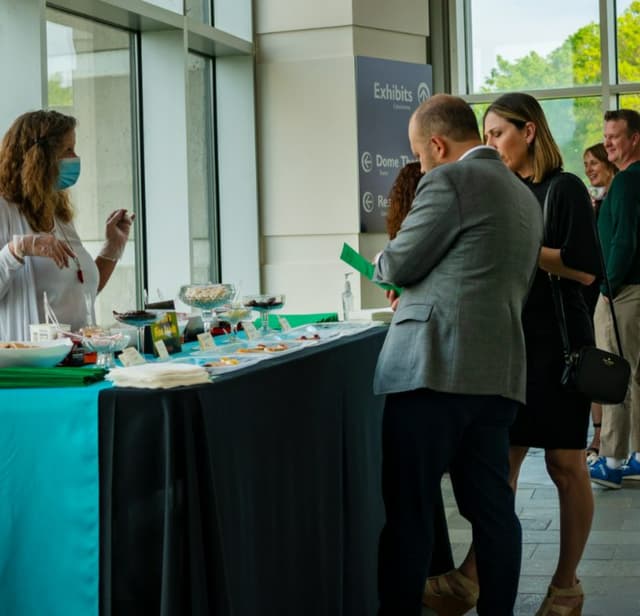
point(619, 231)
point(453, 362)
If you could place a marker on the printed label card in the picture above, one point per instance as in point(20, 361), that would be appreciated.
point(161, 348)
point(131, 357)
point(250, 329)
point(205, 341)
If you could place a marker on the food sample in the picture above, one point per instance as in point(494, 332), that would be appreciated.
point(265, 303)
point(309, 337)
point(92, 331)
point(206, 293)
point(236, 313)
point(135, 315)
point(223, 362)
point(16, 345)
point(276, 348)
point(256, 349)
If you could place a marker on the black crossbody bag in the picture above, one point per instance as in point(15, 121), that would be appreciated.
point(599, 375)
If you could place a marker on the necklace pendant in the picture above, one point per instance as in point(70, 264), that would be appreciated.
point(80, 276)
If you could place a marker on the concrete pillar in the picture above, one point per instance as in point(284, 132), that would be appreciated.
point(307, 137)
point(23, 52)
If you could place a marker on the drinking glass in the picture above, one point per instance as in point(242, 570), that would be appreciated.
point(234, 313)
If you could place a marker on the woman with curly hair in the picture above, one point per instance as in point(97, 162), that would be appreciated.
point(401, 196)
point(40, 251)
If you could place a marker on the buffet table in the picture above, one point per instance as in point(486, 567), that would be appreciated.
point(258, 494)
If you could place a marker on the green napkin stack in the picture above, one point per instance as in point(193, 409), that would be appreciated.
point(63, 376)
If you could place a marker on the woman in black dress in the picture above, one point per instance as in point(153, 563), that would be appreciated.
point(554, 419)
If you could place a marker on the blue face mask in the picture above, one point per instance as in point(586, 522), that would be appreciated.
point(68, 172)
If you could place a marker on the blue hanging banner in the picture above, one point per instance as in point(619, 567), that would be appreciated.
point(387, 93)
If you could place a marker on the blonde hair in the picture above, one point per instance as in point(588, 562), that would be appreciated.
point(29, 157)
point(518, 109)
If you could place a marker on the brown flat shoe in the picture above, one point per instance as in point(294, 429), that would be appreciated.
point(450, 594)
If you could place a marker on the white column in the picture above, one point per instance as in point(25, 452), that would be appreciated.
point(23, 59)
point(165, 161)
point(238, 207)
point(307, 137)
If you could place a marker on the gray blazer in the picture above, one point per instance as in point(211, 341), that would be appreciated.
point(465, 255)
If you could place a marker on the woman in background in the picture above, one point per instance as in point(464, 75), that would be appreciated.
point(600, 172)
point(401, 195)
point(40, 251)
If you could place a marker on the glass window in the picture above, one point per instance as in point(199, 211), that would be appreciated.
point(532, 45)
point(89, 77)
point(630, 101)
point(575, 124)
point(171, 5)
point(200, 139)
point(628, 40)
point(200, 10)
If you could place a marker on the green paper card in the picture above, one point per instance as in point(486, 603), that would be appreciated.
point(366, 268)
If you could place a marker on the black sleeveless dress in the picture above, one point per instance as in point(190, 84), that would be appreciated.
point(554, 418)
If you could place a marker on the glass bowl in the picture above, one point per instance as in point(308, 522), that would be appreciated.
point(264, 304)
point(105, 344)
point(139, 319)
point(207, 297)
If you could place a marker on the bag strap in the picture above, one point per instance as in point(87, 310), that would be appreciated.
point(554, 280)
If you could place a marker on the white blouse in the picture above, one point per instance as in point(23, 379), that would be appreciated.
point(22, 285)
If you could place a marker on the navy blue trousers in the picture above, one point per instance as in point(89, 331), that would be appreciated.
point(426, 433)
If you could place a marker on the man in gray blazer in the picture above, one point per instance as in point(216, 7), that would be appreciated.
point(453, 362)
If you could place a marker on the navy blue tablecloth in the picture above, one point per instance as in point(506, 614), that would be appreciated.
point(257, 494)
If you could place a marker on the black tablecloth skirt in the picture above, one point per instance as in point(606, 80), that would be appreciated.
point(256, 495)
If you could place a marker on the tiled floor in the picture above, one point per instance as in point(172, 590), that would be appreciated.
point(610, 568)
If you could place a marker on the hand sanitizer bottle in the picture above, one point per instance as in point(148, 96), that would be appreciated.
point(347, 298)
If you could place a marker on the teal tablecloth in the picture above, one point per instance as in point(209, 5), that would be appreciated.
point(49, 508)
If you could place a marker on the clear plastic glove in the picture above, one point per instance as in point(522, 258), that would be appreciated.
point(42, 245)
point(117, 234)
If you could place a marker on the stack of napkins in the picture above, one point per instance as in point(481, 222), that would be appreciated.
point(158, 375)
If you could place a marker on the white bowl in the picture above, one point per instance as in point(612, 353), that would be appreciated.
point(36, 354)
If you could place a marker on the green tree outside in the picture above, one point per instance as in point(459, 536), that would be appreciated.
point(576, 123)
point(59, 95)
